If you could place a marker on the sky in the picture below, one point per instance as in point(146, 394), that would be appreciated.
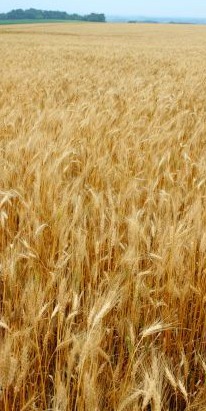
point(156, 8)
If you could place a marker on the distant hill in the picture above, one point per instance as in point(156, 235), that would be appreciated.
point(161, 20)
point(34, 14)
point(142, 22)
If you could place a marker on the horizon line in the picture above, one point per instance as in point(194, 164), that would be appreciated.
point(139, 16)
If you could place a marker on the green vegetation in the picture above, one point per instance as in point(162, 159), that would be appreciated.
point(47, 15)
point(34, 21)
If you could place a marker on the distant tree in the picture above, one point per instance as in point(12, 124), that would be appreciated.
point(75, 16)
point(15, 14)
point(34, 14)
point(95, 17)
point(30, 14)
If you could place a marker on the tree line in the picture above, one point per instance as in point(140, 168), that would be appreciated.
point(34, 14)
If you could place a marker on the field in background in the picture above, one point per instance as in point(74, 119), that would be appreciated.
point(102, 218)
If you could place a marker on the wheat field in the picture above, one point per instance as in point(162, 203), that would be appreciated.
point(102, 218)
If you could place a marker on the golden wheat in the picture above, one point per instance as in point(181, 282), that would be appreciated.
point(102, 218)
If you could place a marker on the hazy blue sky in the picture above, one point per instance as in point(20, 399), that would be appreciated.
point(181, 8)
